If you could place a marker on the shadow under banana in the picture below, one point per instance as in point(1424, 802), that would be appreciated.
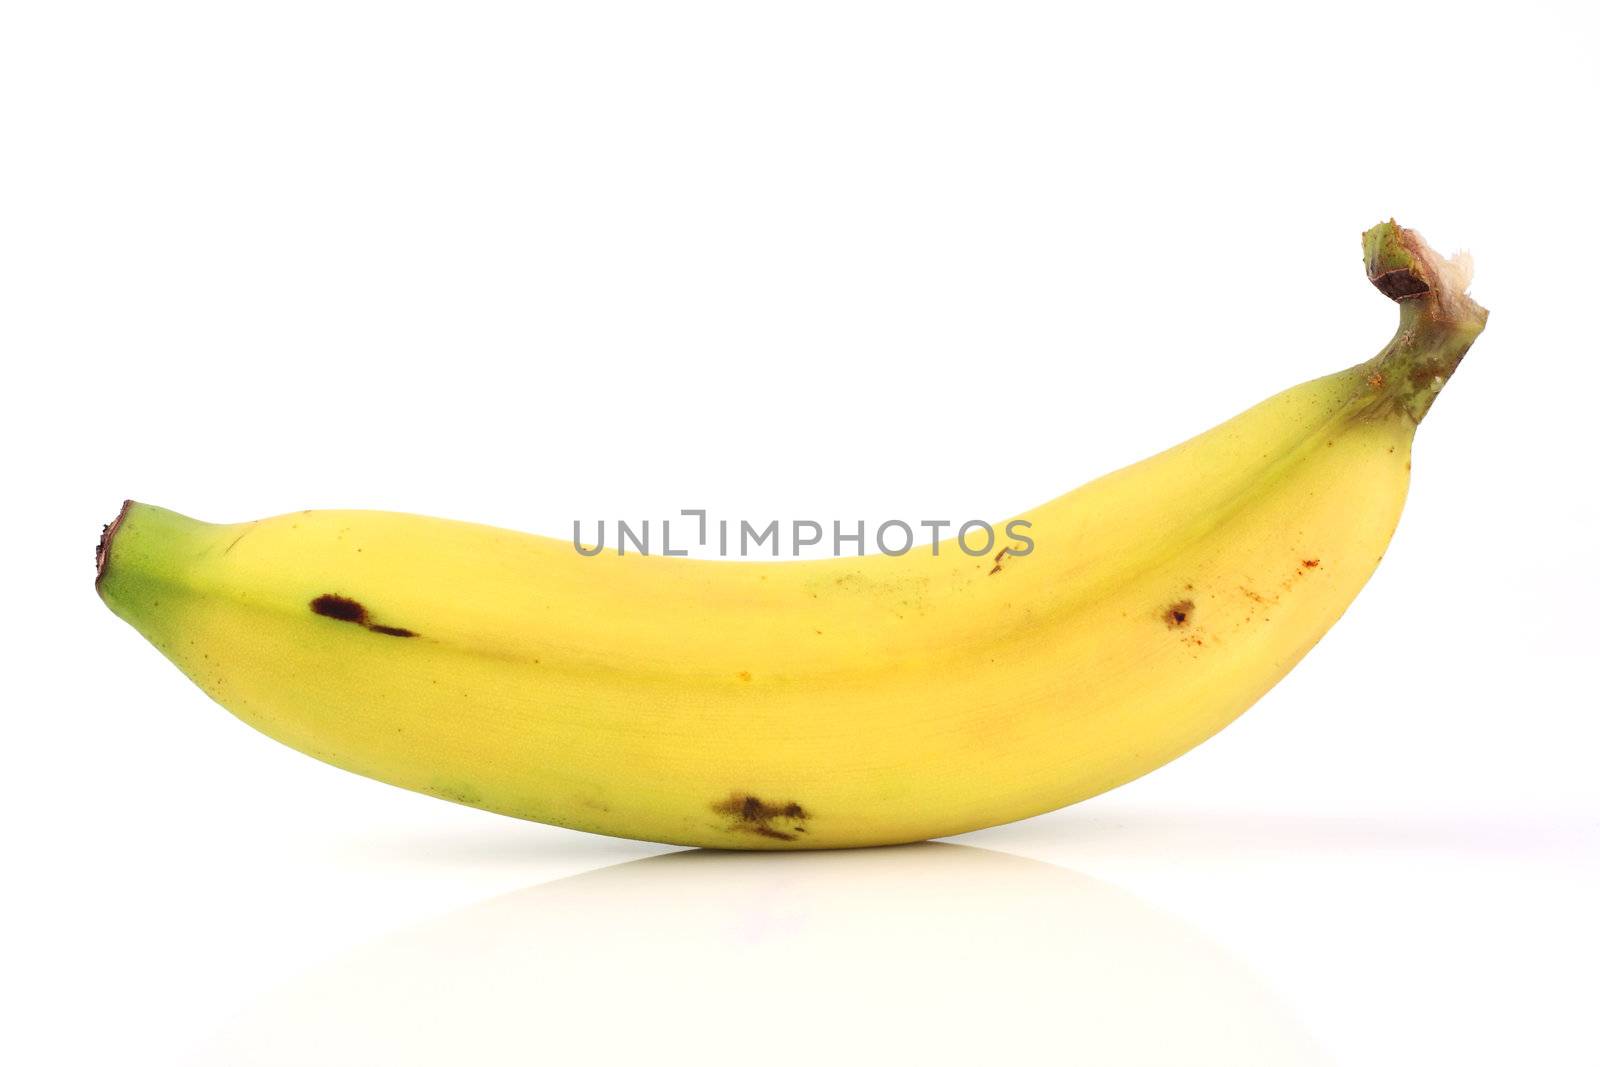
point(918, 954)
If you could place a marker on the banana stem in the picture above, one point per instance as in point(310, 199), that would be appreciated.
point(1438, 320)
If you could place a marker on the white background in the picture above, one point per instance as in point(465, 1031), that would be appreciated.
point(528, 263)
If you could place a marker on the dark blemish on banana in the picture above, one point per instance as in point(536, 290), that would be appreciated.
point(998, 556)
point(236, 540)
point(1179, 614)
point(459, 793)
point(340, 607)
point(1310, 564)
point(344, 609)
point(753, 816)
point(1424, 374)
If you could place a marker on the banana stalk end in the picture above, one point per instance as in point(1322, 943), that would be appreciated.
point(1438, 320)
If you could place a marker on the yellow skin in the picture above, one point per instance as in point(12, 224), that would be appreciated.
point(835, 703)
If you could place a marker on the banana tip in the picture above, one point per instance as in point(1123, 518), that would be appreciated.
point(102, 551)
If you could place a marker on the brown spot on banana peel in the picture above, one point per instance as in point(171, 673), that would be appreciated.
point(767, 831)
point(1425, 373)
point(391, 631)
point(752, 815)
point(343, 609)
point(1179, 614)
point(235, 542)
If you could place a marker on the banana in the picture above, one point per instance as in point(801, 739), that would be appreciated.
point(830, 703)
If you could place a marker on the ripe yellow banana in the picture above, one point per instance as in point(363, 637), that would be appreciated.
point(841, 702)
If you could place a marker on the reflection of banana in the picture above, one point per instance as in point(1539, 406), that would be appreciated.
point(928, 954)
point(840, 702)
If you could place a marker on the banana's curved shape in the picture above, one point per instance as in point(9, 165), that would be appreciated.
point(855, 701)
